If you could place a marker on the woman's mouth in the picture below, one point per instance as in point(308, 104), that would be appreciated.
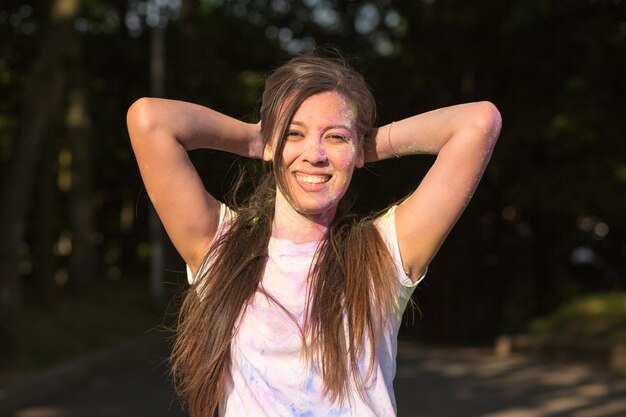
point(311, 178)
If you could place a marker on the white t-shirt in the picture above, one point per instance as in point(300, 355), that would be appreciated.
point(268, 376)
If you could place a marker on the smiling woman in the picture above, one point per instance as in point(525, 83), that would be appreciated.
point(294, 305)
point(319, 153)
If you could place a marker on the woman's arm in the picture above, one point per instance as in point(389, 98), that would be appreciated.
point(463, 138)
point(161, 133)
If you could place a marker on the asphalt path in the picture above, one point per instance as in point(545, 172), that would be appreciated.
point(134, 385)
point(430, 382)
point(446, 382)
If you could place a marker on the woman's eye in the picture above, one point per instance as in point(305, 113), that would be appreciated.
point(293, 134)
point(338, 137)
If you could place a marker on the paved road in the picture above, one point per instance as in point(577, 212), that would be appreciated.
point(135, 385)
point(470, 383)
point(430, 382)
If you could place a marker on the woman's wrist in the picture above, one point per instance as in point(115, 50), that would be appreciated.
point(254, 141)
point(382, 146)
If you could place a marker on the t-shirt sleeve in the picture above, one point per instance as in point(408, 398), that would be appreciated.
point(226, 217)
point(386, 225)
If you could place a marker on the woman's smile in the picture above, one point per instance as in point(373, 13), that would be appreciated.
point(310, 179)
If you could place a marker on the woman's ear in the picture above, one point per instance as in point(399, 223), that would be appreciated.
point(268, 153)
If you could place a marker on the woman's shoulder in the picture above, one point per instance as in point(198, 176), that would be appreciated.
point(226, 217)
point(385, 221)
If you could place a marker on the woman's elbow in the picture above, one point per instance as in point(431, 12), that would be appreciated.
point(141, 117)
point(488, 120)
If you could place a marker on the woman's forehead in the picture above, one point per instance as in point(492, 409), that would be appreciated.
point(329, 107)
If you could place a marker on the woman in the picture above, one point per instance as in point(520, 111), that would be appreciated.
point(294, 306)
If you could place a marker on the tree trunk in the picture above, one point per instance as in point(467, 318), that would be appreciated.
point(47, 218)
point(83, 260)
point(40, 103)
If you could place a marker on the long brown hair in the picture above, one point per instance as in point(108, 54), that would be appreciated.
point(351, 286)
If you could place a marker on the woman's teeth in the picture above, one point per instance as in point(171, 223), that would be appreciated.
point(312, 179)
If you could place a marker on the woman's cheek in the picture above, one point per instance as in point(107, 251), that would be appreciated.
point(346, 156)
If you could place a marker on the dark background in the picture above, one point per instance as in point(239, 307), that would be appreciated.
point(546, 225)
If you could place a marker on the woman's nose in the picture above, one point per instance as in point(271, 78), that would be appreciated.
point(314, 152)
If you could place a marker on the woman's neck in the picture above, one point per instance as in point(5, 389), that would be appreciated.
point(297, 227)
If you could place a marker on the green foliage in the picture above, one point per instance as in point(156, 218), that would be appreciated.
point(594, 317)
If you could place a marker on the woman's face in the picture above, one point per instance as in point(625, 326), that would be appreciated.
point(321, 150)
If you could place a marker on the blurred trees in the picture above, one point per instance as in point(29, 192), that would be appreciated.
point(546, 224)
point(40, 112)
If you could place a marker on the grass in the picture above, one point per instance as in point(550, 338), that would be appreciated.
point(79, 321)
point(597, 317)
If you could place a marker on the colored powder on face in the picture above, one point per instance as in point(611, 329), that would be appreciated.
point(347, 153)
